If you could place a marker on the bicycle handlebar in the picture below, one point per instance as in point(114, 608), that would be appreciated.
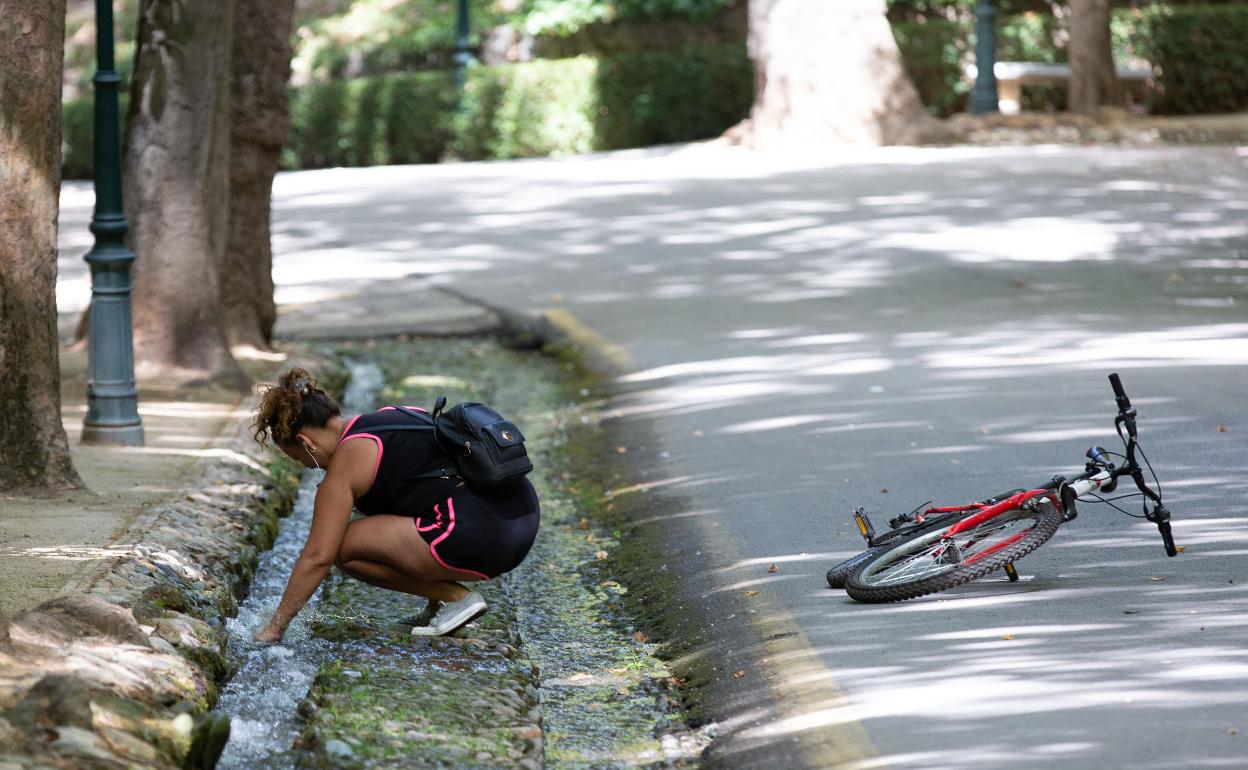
point(1126, 417)
point(1120, 395)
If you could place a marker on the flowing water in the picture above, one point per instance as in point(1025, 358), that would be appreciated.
point(262, 696)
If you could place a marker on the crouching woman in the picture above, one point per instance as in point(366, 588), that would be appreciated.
point(418, 534)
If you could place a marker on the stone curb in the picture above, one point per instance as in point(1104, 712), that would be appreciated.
point(121, 670)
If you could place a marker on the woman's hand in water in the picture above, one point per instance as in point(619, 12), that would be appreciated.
point(269, 633)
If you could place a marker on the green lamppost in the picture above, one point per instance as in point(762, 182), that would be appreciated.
point(984, 97)
point(463, 52)
point(112, 398)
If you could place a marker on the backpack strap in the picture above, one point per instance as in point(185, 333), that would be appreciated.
point(442, 473)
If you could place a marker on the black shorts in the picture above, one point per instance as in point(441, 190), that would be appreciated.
point(483, 531)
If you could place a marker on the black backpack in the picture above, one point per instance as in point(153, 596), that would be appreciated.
point(488, 449)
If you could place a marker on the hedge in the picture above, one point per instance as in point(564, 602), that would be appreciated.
point(933, 52)
point(551, 107)
point(1199, 55)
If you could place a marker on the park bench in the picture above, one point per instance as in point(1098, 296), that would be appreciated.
point(1013, 75)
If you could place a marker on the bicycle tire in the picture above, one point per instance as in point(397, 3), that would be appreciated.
point(841, 572)
point(921, 555)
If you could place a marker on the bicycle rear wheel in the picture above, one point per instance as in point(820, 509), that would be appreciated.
point(841, 572)
point(934, 561)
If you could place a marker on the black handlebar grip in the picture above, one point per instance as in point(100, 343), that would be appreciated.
point(1119, 393)
point(1167, 538)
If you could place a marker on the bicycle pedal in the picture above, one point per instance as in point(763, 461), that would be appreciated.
point(865, 528)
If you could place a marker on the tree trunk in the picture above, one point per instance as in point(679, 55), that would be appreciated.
point(260, 122)
point(829, 71)
point(1093, 79)
point(34, 452)
point(177, 190)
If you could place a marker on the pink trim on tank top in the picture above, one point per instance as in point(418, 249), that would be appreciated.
point(450, 505)
point(346, 430)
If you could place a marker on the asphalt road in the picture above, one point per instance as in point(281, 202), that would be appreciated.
point(882, 328)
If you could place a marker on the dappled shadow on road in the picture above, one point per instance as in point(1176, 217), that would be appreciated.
point(881, 329)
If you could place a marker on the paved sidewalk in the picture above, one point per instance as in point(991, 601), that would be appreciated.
point(53, 546)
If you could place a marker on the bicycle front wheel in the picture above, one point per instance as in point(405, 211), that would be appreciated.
point(934, 561)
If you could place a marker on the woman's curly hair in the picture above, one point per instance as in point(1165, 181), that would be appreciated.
point(294, 402)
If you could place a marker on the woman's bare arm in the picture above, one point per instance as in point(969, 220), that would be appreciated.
point(350, 474)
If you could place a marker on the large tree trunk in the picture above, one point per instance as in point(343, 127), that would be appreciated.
point(260, 123)
point(34, 452)
point(177, 190)
point(829, 71)
point(1093, 79)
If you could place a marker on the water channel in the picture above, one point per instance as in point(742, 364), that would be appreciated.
point(262, 696)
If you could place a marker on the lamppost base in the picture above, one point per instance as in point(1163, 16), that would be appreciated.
point(116, 435)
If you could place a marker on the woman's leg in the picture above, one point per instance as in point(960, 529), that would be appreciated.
point(387, 551)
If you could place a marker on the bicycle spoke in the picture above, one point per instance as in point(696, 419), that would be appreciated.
point(944, 554)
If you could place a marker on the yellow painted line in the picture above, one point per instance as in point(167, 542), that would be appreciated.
point(813, 707)
point(617, 359)
point(809, 702)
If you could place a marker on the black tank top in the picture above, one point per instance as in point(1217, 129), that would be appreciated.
point(403, 456)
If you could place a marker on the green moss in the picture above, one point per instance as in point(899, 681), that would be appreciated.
point(561, 613)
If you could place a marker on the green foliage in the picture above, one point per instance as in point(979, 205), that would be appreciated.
point(936, 48)
point(546, 108)
point(933, 52)
point(1199, 58)
point(659, 97)
point(401, 118)
point(365, 37)
point(566, 17)
point(78, 135)
point(552, 107)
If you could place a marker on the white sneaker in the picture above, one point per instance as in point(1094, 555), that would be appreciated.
point(452, 616)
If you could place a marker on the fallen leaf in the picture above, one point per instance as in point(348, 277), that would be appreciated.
point(1156, 578)
point(565, 475)
point(1017, 284)
point(623, 691)
point(621, 450)
point(676, 681)
point(581, 677)
point(1221, 429)
point(751, 593)
point(773, 569)
point(1008, 637)
point(601, 555)
point(1232, 731)
point(589, 538)
point(738, 674)
point(584, 525)
point(640, 638)
point(1180, 548)
point(618, 670)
